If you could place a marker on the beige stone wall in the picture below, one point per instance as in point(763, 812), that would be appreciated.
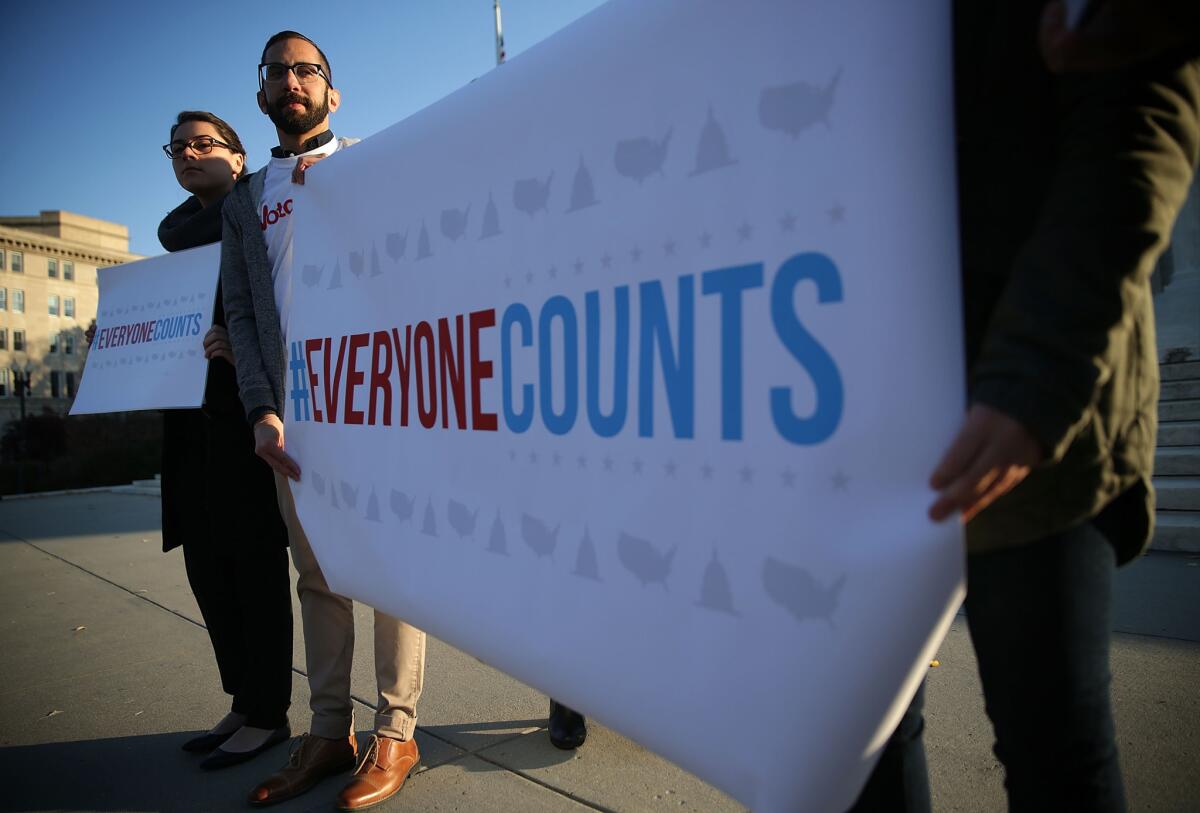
point(61, 237)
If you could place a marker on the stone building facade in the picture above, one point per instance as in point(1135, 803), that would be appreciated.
point(48, 297)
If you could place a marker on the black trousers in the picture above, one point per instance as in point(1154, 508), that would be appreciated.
point(1040, 621)
point(244, 594)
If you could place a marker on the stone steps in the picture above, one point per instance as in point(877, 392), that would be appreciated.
point(1177, 461)
point(1179, 433)
point(1186, 410)
point(1179, 390)
point(1177, 531)
point(1179, 372)
point(1178, 493)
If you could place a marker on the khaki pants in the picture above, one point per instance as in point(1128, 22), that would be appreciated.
point(328, 620)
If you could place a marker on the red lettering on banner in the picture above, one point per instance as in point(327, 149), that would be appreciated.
point(427, 416)
point(332, 393)
point(354, 378)
point(381, 379)
point(480, 369)
point(272, 216)
point(402, 365)
point(311, 346)
point(450, 360)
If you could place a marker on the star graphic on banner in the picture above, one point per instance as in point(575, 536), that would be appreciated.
point(789, 478)
point(635, 254)
point(557, 458)
point(840, 481)
point(637, 465)
point(606, 260)
point(553, 272)
point(787, 222)
point(529, 277)
point(747, 474)
point(670, 468)
point(837, 213)
point(533, 457)
point(578, 266)
point(705, 239)
point(508, 282)
point(512, 455)
point(744, 232)
point(582, 462)
point(669, 248)
point(608, 463)
point(706, 471)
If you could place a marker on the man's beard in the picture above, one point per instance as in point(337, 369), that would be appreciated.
point(295, 122)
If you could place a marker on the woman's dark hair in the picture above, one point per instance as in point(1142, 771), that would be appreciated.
point(227, 133)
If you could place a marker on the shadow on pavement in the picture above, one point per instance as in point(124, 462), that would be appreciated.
point(142, 773)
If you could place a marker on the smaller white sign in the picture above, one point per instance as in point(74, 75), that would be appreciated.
point(148, 352)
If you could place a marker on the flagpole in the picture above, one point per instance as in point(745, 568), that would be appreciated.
point(499, 34)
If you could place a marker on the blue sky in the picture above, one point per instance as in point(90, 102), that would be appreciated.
point(93, 87)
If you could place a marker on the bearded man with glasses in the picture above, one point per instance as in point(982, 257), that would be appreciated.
point(296, 91)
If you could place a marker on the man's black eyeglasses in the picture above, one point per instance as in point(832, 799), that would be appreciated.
point(306, 72)
point(201, 145)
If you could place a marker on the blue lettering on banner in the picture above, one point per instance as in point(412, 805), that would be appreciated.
point(679, 369)
point(559, 423)
point(299, 393)
point(807, 350)
point(516, 314)
point(729, 283)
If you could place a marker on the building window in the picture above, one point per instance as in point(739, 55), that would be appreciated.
point(54, 384)
point(17, 262)
point(18, 340)
point(53, 342)
point(4, 382)
point(3, 299)
point(52, 268)
point(1, 259)
point(68, 270)
point(52, 304)
point(69, 306)
point(69, 344)
point(3, 338)
point(70, 384)
point(18, 300)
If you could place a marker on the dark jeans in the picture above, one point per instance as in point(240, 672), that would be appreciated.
point(244, 594)
point(1040, 617)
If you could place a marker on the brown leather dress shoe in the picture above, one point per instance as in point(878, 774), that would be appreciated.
point(312, 758)
point(380, 773)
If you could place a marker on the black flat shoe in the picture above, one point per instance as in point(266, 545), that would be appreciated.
point(567, 728)
point(205, 742)
point(224, 759)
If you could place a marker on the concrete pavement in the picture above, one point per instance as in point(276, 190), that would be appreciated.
point(106, 668)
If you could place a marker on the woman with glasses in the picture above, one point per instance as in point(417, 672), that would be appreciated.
point(218, 497)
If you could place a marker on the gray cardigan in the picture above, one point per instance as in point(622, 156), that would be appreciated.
point(249, 296)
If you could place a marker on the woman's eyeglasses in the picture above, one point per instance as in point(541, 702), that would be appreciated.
point(200, 145)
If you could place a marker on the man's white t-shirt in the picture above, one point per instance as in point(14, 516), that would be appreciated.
point(275, 209)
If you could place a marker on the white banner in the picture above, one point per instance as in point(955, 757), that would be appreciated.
point(148, 352)
point(624, 369)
